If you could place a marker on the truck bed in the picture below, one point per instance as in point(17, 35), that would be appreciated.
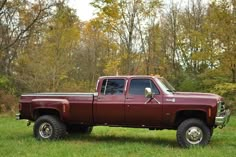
point(80, 105)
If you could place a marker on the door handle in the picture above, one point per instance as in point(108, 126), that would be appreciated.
point(130, 98)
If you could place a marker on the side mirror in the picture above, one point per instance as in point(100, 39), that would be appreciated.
point(148, 93)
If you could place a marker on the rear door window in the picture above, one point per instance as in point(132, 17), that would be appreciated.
point(113, 86)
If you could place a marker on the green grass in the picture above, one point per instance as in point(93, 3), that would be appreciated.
point(16, 139)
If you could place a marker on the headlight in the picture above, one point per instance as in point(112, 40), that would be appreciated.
point(220, 107)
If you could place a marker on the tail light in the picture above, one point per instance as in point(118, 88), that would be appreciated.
point(64, 107)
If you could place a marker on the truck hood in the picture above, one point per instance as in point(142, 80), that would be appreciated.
point(192, 98)
point(210, 95)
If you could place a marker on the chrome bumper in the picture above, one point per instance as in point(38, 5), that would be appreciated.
point(18, 116)
point(222, 120)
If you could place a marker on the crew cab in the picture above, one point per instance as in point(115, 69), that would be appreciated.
point(126, 101)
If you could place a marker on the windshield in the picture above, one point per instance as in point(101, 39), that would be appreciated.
point(165, 85)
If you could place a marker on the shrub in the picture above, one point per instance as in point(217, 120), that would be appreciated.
point(190, 85)
point(8, 102)
point(228, 90)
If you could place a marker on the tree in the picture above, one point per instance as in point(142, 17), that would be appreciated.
point(130, 20)
point(48, 65)
point(220, 32)
point(17, 20)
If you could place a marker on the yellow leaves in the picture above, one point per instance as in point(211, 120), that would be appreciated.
point(115, 64)
point(107, 8)
point(112, 67)
point(108, 1)
point(111, 11)
point(63, 77)
point(25, 16)
point(224, 88)
point(47, 66)
point(36, 7)
point(65, 32)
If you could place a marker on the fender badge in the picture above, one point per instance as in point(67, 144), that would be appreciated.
point(171, 100)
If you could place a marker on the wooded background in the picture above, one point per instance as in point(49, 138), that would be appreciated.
point(45, 47)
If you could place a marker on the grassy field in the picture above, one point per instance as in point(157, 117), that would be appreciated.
point(16, 139)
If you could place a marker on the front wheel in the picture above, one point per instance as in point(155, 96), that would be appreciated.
point(49, 127)
point(192, 132)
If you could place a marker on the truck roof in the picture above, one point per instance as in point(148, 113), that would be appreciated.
point(130, 76)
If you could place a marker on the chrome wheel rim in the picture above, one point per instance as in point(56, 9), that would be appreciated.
point(45, 130)
point(194, 135)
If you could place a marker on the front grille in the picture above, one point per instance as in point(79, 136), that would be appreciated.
point(220, 108)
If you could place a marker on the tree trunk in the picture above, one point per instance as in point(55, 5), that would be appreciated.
point(233, 73)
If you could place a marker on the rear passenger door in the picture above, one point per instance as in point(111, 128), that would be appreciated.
point(137, 111)
point(109, 107)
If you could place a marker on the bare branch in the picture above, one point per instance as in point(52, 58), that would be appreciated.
point(28, 27)
point(2, 5)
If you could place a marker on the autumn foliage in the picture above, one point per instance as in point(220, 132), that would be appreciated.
point(45, 47)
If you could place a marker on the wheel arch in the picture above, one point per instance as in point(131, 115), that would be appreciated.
point(46, 111)
point(187, 114)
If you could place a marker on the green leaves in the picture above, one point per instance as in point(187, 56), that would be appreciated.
point(4, 82)
point(225, 89)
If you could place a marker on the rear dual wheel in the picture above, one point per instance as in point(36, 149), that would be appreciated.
point(49, 127)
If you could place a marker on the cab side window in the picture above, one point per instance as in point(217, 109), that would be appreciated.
point(137, 86)
point(113, 86)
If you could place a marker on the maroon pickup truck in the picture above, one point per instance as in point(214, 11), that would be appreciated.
point(127, 101)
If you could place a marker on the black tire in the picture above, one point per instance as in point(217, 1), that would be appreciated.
point(49, 127)
point(82, 129)
point(193, 132)
point(211, 131)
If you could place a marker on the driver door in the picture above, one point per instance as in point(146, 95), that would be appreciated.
point(139, 111)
